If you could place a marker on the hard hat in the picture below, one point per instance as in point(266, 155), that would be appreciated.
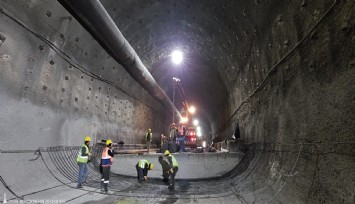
point(108, 142)
point(166, 152)
point(151, 166)
point(173, 124)
point(149, 129)
point(87, 139)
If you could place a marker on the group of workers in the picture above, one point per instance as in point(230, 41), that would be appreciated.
point(106, 161)
point(172, 136)
point(169, 168)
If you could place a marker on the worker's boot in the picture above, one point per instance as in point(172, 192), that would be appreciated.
point(105, 186)
point(102, 186)
point(166, 181)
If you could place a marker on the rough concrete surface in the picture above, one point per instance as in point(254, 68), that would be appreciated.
point(284, 71)
point(192, 166)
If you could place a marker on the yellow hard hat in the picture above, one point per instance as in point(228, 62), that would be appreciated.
point(108, 142)
point(87, 139)
point(151, 166)
point(166, 152)
point(149, 129)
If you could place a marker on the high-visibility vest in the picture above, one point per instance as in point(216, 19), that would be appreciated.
point(146, 136)
point(175, 163)
point(142, 163)
point(106, 159)
point(83, 159)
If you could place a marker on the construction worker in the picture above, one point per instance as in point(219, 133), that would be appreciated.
point(181, 134)
point(142, 170)
point(173, 132)
point(148, 138)
point(82, 159)
point(162, 140)
point(174, 167)
point(165, 167)
point(106, 162)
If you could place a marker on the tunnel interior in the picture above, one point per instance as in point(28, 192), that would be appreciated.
point(283, 71)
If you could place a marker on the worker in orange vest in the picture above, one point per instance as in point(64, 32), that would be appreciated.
point(106, 162)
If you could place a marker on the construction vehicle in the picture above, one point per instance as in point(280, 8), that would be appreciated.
point(189, 138)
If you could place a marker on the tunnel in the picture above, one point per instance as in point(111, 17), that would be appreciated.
point(278, 75)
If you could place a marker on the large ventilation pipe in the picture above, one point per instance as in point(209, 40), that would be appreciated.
point(94, 18)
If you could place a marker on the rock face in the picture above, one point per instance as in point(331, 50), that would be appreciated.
point(284, 71)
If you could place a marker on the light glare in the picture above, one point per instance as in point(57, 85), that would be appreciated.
point(192, 109)
point(176, 57)
point(195, 122)
point(184, 120)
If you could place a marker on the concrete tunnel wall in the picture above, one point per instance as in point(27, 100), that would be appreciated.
point(297, 128)
point(47, 97)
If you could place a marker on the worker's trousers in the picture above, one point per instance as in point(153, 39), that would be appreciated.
point(165, 176)
point(139, 174)
point(172, 176)
point(105, 177)
point(83, 173)
point(148, 145)
point(182, 145)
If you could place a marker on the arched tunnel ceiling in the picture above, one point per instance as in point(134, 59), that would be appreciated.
point(296, 131)
point(202, 30)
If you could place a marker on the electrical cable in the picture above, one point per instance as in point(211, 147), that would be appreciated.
point(287, 178)
point(9, 189)
point(257, 167)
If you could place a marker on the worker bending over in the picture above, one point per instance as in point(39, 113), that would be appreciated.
point(142, 170)
point(165, 167)
point(174, 167)
point(105, 164)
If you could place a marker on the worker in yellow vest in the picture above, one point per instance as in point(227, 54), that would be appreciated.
point(142, 170)
point(82, 160)
point(174, 167)
point(106, 162)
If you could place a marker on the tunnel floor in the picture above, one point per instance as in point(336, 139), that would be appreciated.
point(64, 157)
point(60, 163)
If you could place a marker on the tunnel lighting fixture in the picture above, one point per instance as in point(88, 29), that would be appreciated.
point(195, 122)
point(204, 144)
point(192, 109)
point(176, 56)
point(198, 128)
point(199, 133)
point(184, 120)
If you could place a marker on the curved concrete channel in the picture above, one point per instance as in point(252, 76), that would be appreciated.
point(278, 75)
point(192, 165)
